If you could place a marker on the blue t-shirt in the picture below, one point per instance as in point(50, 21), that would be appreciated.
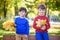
point(22, 26)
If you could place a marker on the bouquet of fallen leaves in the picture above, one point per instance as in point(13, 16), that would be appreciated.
point(40, 23)
point(9, 25)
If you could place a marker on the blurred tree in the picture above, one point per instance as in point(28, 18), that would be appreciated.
point(16, 7)
point(5, 5)
point(16, 2)
point(59, 17)
point(1, 7)
point(5, 8)
point(54, 4)
point(31, 5)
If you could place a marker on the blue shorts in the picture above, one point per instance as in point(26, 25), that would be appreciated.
point(42, 36)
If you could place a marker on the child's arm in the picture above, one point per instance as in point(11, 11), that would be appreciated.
point(34, 24)
point(15, 22)
point(48, 24)
point(27, 26)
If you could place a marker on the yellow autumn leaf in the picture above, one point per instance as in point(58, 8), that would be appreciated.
point(38, 23)
point(9, 25)
point(43, 22)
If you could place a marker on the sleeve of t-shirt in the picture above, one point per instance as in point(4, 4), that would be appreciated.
point(48, 24)
point(27, 26)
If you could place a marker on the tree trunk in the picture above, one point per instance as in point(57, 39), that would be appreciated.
point(16, 8)
point(5, 9)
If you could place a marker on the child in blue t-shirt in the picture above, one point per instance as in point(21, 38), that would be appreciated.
point(22, 25)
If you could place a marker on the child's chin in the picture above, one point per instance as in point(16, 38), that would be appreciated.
point(41, 15)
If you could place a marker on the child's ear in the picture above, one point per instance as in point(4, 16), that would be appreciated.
point(18, 13)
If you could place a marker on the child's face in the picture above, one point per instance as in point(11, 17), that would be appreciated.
point(41, 12)
point(22, 13)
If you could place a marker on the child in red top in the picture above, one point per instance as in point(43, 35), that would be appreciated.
point(41, 24)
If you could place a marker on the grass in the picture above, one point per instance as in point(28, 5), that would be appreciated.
point(1, 38)
point(32, 32)
point(50, 31)
point(4, 32)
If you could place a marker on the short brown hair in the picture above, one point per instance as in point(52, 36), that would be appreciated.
point(23, 9)
point(42, 6)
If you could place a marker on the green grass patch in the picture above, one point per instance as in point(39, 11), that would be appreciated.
point(32, 32)
point(4, 32)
